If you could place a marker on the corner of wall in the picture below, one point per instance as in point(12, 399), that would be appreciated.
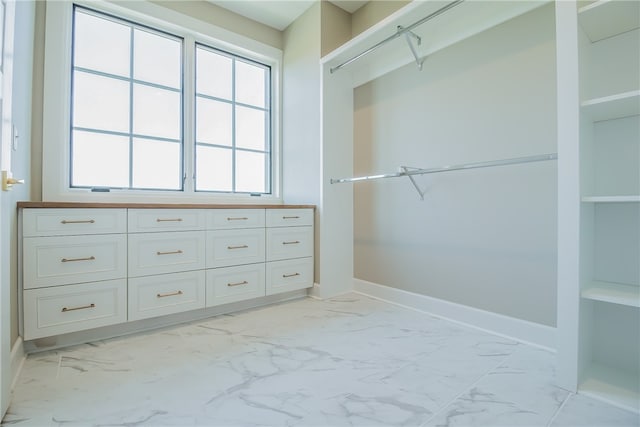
point(374, 12)
point(335, 27)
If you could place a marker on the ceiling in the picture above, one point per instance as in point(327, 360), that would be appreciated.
point(279, 13)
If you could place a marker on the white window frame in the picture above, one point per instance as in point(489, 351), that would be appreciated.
point(57, 99)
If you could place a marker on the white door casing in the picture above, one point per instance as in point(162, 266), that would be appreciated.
point(7, 20)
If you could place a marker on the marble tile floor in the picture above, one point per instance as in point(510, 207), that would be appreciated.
point(348, 361)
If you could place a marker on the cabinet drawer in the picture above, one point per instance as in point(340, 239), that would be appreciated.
point(59, 222)
point(150, 220)
point(166, 294)
point(221, 219)
point(289, 242)
point(64, 309)
point(52, 261)
point(289, 275)
point(234, 247)
point(289, 217)
point(231, 284)
point(157, 253)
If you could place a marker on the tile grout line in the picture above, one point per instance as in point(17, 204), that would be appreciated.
point(473, 384)
point(560, 408)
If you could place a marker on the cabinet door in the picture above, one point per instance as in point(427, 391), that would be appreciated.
point(289, 242)
point(235, 247)
point(289, 275)
point(154, 296)
point(71, 308)
point(68, 222)
point(289, 217)
point(224, 219)
point(53, 261)
point(157, 220)
point(156, 253)
point(231, 284)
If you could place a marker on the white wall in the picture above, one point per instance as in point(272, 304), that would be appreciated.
point(301, 110)
point(485, 238)
point(21, 156)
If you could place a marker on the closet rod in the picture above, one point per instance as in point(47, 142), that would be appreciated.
point(399, 32)
point(503, 162)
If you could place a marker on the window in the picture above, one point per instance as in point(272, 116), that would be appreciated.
point(154, 109)
point(232, 123)
point(126, 109)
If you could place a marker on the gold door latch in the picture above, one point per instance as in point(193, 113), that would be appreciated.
point(8, 181)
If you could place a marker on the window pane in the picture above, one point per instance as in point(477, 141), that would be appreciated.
point(156, 59)
point(100, 160)
point(250, 128)
point(156, 112)
point(100, 102)
point(250, 84)
point(213, 74)
point(213, 122)
point(250, 172)
point(156, 164)
point(213, 169)
point(101, 44)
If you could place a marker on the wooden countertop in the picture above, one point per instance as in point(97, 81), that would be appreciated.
point(71, 205)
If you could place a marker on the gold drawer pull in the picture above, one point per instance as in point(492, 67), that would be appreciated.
point(91, 258)
point(294, 242)
point(238, 247)
point(65, 309)
point(290, 217)
point(170, 294)
point(179, 251)
point(77, 221)
point(244, 282)
point(291, 275)
point(240, 218)
point(169, 220)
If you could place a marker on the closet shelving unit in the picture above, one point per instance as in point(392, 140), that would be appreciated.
point(608, 310)
point(461, 20)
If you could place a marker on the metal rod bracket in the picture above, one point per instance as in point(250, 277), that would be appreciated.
point(405, 169)
point(408, 35)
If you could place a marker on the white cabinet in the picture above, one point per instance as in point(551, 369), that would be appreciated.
point(599, 236)
point(289, 275)
point(68, 222)
point(159, 253)
point(63, 260)
point(225, 219)
point(235, 247)
point(74, 270)
point(157, 220)
point(153, 296)
point(289, 250)
point(85, 268)
point(231, 284)
point(71, 308)
point(289, 242)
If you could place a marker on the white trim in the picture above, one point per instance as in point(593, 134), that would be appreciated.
point(498, 324)
point(18, 357)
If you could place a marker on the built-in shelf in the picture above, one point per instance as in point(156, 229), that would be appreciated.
point(613, 107)
point(617, 387)
point(606, 18)
point(616, 293)
point(611, 199)
point(465, 20)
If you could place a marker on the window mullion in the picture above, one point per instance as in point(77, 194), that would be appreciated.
point(188, 115)
point(233, 125)
point(131, 56)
